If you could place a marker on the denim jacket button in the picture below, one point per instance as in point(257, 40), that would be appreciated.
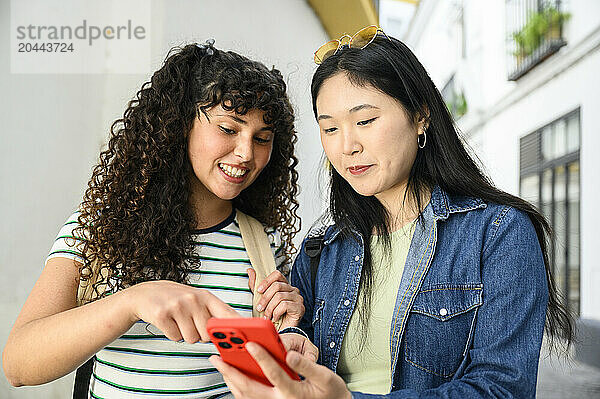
point(357, 258)
point(332, 344)
point(443, 312)
point(346, 302)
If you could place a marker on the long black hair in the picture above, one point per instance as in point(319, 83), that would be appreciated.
point(389, 66)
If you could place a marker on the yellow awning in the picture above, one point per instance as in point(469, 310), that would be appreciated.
point(344, 16)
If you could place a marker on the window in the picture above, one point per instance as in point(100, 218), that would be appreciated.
point(549, 179)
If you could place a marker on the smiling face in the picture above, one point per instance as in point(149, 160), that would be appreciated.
point(227, 152)
point(367, 136)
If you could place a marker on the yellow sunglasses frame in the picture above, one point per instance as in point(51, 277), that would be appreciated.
point(345, 40)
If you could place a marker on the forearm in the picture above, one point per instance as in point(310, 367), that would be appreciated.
point(45, 349)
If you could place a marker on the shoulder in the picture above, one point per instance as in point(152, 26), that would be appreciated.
point(507, 226)
point(71, 227)
point(500, 216)
point(322, 233)
point(320, 227)
point(67, 243)
point(487, 213)
point(493, 222)
point(73, 220)
point(273, 236)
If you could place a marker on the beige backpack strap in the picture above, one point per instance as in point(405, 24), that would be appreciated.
point(259, 251)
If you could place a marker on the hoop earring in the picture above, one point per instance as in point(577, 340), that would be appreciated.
point(421, 146)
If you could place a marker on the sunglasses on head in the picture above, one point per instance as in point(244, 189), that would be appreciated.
point(361, 39)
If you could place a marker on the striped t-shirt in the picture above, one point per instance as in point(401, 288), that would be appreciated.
point(143, 363)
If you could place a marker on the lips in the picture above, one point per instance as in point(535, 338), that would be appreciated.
point(233, 173)
point(358, 169)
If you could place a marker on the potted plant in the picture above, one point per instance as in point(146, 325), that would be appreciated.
point(529, 37)
point(519, 39)
point(541, 26)
point(555, 19)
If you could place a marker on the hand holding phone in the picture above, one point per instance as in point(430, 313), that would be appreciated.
point(230, 337)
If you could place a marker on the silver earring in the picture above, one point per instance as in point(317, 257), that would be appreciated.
point(422, 145)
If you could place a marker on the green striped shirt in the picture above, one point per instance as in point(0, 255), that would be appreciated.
point(143, 363)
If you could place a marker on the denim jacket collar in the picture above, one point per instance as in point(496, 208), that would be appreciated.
point(442, 206)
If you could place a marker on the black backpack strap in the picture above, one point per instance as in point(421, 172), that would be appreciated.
point(82, 379)
point(313, 248)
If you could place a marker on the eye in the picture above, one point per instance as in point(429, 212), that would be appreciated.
point(365, 122)
point(262, 140)
point(226, 130)
point(330, 130)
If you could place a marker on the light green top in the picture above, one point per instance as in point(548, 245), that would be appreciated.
point(369, 370)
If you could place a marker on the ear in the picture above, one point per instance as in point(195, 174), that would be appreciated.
point(423, 119)
point(424, 113)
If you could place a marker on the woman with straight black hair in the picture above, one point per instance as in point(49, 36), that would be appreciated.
point(431, 282)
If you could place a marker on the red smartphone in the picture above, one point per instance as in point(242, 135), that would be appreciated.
point(230, 337)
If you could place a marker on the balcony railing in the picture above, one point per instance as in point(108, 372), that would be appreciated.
point(535, 32)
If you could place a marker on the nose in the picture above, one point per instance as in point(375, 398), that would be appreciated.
point(351, 144)
point(244, 149)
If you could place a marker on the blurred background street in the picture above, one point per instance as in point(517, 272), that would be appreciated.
point(567, 379)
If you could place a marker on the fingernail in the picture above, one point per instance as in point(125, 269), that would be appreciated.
point(261, 288)
point(259, 308)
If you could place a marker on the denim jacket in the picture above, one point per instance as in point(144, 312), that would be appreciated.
point(469, 313)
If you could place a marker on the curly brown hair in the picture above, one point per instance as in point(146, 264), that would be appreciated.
point(135, 220)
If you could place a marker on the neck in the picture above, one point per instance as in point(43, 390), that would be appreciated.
point(401, 210)
point(209, 210)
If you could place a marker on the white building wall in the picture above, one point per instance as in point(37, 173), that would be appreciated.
point(576, 87)
point(53, 127)
point(501, 112)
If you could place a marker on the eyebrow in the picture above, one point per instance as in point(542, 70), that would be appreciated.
point(351, 110)
point(361, 107)
point(243, 122)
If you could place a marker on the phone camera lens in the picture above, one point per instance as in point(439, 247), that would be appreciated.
point(219, 335)
point(225, 345)
point(237, 340)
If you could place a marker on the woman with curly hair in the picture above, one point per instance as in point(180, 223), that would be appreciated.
point(156, 238)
